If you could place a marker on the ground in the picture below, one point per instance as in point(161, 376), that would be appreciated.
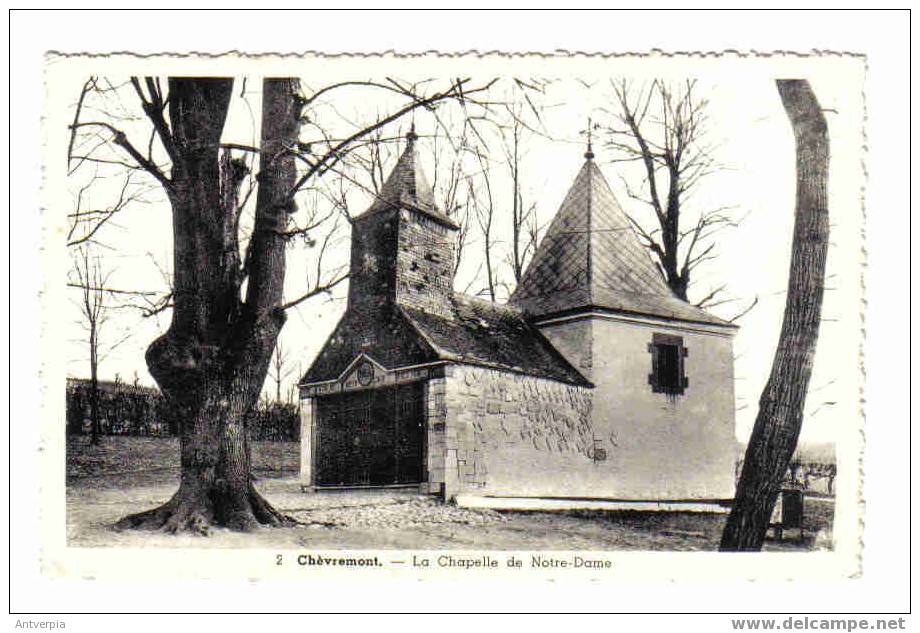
point(128, 474)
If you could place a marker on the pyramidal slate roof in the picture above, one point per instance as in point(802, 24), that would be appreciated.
point(591, 257)
point(407, 187)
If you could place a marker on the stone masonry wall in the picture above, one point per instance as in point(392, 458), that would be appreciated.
point(401, 256)
point(307, 409)
point(508, 434)
point(371, 285)
point(436, 422)
point(425, 264)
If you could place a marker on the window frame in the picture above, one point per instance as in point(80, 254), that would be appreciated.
point(659, 341)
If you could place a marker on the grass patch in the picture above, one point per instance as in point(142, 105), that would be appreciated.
point(127, 461)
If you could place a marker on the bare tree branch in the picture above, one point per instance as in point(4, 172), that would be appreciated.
point(745, 311)
point(316, 290)
point(334, 154)
point(96, 287)
point(89, 85)
point(154, 108)
point(119, 138)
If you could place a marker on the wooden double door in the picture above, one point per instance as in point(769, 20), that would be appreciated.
point(374, 437)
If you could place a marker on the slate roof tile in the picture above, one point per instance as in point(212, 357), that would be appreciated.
point(477, 333)
point(492, 335)
point(389, 339)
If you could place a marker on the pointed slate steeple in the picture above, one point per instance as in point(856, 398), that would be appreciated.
point(591, 257)
point(407, 187)
point(402, 248)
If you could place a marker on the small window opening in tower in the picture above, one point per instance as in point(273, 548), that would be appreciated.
point(668, 371)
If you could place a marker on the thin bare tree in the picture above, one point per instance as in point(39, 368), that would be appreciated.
point(663, 127)
point(86, 220)
point(524, 230)
point(91, 279)
point(449, 168)
point(779, 420)
point(280, 369)
point(484, 211)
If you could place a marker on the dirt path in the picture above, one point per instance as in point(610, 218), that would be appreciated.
point(395, 520)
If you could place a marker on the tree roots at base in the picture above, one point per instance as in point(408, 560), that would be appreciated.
point(197, 514)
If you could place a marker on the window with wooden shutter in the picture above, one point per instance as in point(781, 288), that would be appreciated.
point(668, 367)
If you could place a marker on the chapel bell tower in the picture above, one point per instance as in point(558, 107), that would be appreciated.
point(402, 247)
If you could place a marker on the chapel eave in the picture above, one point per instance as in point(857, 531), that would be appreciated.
point(590, 310)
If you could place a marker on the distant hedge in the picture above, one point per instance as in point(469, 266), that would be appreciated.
point(127, 409)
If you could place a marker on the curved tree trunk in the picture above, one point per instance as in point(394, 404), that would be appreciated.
point(212, 362)
point(776, 429)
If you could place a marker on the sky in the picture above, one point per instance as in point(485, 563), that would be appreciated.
point(753, 145)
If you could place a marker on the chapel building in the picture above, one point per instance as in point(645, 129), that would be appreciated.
point(593, 382)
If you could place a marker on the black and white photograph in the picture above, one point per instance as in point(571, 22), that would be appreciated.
point(429, 313)
point(562, 306)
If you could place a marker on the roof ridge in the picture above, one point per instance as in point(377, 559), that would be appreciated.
point(421, 333)
point(494, 305)
point(589, 265)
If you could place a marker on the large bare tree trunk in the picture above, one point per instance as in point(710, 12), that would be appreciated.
point(776, 429)
point(213, 360)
